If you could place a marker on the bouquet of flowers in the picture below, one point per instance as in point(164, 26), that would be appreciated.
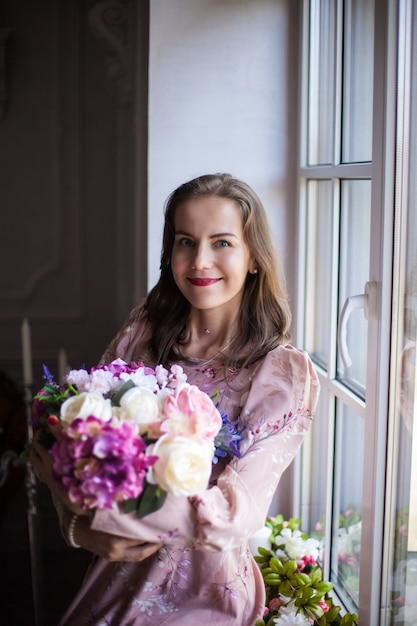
point(296, 594)
point(130, 435)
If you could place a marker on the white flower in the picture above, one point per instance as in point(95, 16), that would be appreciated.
point(118, 362)
point(183, 467)
point(101, 381)
point(140, 405)
point(141, 379)
point(177, 373)
point(79, 378)
point(161, 375)
point(295, 546)
point(290, 617)
point(172, 378)
point(85, 404)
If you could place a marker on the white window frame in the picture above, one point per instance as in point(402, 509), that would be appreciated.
point(375, 410)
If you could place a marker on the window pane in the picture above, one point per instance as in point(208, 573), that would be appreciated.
point(318, 271)
point(404, 580)
point(357, 80)
point(353, 274)
point(318, 442)
point(346, 527)
point(322, 64)
point(403, 583)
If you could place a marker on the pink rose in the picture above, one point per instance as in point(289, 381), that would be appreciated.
point(189, 412)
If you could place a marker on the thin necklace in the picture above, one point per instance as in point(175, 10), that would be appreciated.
point(218, 353)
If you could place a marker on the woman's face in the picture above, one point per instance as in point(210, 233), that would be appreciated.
point(210, 258)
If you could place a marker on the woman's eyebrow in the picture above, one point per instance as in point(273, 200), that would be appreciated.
point(214, 236)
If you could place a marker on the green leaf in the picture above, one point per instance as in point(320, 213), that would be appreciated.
point(332, 613)
point(316, 609)
point(315, 575)
point(151, 499)
point(130, 505)
point(349, 619)
point(290, 567)
point(129, 384)
point(285, 588)
point(276, 565)
point(260, 559)
point(24, 455)
point(294, 524)
point(301, 579)
point(272, 579)
point(308, 593)
point(323, 587)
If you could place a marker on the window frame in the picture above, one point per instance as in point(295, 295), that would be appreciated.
point(375, 410)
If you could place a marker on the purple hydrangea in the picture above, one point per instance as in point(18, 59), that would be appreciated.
point(99, 463)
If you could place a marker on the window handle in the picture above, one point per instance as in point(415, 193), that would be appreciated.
point(367, 301)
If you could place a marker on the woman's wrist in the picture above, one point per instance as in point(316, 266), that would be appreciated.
point(71, 530)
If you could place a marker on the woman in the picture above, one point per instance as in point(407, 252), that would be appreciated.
point(220, 312)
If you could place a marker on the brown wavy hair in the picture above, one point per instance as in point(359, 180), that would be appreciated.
point(264, 316)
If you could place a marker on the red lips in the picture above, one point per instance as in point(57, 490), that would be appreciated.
point(203, 282)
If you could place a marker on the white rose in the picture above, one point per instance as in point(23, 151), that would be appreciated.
point(183, 467)
point(85, 404)
point(140, 405)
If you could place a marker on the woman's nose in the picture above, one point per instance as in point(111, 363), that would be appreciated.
point(202, 257)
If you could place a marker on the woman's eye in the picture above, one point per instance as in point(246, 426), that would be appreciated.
point(222, 244)
point(184, 242)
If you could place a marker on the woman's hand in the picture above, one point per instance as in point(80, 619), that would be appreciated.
point(109, 547)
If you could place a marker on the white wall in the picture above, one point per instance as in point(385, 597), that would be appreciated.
point(222, 82)
point(223, 78)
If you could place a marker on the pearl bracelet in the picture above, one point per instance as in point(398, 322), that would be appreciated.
point(71, 528)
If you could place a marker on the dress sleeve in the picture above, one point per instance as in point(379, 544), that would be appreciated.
point(276, 415)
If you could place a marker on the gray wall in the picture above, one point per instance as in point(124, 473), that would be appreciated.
point(71, 174)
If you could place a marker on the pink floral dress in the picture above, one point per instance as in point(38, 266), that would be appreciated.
point(204, 573)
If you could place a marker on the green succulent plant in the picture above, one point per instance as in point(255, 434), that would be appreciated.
point(295, 590)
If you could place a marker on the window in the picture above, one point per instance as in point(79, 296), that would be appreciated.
point(357, 293)
point(400, 571)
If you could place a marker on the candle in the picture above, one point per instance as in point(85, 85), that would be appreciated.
point(63, 366)
point(27, 354)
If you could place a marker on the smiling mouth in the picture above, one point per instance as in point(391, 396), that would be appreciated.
point(203, 282)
